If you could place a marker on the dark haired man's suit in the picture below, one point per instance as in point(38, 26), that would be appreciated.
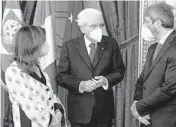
point(156, 87)
point(75, 66)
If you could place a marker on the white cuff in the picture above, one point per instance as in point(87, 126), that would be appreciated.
point(105, 87)
point(80, 91)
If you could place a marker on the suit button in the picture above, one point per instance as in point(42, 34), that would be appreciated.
point(52, 107)
point(144, 88)
point(92, 93)
point(49, 98)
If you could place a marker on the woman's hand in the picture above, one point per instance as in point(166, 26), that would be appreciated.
point(56, 119)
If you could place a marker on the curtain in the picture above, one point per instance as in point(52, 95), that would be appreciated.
point(122, 20)
point(28, 9)
point(71, 31)
point(122, 24)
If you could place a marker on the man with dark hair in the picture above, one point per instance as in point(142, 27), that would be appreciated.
point(155, 94)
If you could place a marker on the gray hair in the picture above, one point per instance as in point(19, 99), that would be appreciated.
point(161, 11)
point(86, 14)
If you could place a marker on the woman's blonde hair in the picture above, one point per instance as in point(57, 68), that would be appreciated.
point(27, 41)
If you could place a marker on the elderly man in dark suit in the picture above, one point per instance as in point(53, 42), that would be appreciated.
point(155, 94)
point(89, 66)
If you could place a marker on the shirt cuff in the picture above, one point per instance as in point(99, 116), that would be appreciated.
point(105, 87)
point(80, 90)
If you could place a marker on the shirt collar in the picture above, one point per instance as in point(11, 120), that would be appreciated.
point(163, 39)
point(88, 42)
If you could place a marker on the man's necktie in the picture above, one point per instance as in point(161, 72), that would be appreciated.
point(92, 51)
point(158, 47)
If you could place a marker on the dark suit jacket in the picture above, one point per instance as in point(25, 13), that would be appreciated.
point(156, 86)
point(75, 66)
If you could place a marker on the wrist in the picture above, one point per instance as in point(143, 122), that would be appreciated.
point(105, 84)
point(81, 90)
point(57, 111)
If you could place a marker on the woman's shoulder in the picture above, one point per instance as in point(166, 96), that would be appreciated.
point(13, 67)
point(14, 70)
point(13, 75)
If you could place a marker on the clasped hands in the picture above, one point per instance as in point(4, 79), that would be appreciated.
point(144, 119)
point(94, 83)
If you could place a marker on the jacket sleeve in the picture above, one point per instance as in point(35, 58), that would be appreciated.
point(139, 88)
point(139, 84)
point(64, 78)
point(165, 92)
point(27, 97)
point(117, 74)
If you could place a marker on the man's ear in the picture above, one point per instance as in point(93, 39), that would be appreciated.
point(82, 29)
point(158, 23)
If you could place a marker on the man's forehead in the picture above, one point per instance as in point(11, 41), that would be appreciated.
point(90, 15)
point(95, 20)
point(147, 19)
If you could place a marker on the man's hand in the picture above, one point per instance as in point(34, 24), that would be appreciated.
point(87, 86)
point(100, 81)
point(143, 119)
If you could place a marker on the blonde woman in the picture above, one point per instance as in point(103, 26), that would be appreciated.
point(33, 101)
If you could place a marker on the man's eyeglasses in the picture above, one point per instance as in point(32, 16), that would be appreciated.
point(96, 26)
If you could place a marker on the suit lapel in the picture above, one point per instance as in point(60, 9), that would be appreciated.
point(81, 48)
point(149, 59)
point(99, 52)
point(164, 48)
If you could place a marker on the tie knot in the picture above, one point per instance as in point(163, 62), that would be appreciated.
point(92, 45)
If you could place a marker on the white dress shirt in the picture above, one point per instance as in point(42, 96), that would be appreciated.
point(160, 43)
point(87, 43)
point(163, 38)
